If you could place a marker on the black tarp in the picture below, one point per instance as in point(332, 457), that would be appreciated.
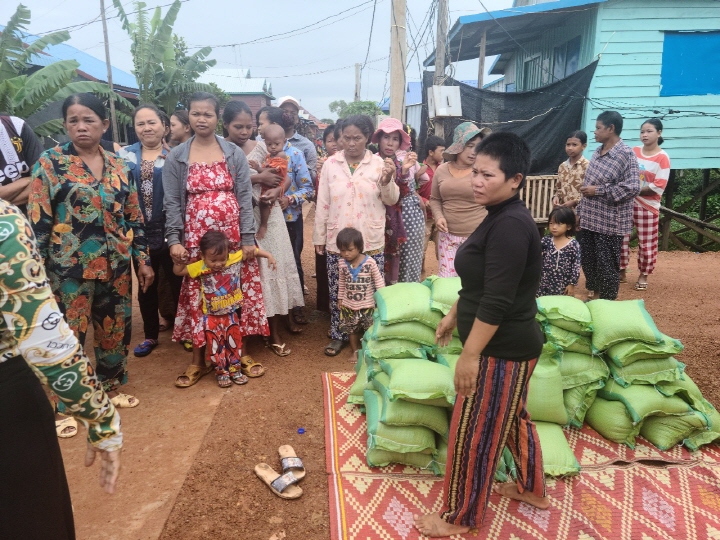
point(542, 117)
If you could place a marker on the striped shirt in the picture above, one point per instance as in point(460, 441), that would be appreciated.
point(356, 287)
point(616, 178)
point(654, 174)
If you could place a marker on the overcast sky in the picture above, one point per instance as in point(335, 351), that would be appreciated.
point(338, 40)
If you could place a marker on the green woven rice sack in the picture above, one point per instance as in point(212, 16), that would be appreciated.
point(404, 413)
point(627, 352)
point(419, 380)
point(545, 397)
point(394, 438)
point(642, 400)
point(377, 457)
point(565, 312)
point(558, 458)
point(395, 348)
point(404, 302)
point(356, 393)
point(409, 331)
point(578, 400)
point(449, 360)
point(505, 470)
point(618, 321)
point(566, 340)
point(686, 389)
point(443, 292)
point(648, 371)
point(381, 384)
point(702, 437)
point(579, 369)
point(667, 431)
point(611, 420)
point(454, 346)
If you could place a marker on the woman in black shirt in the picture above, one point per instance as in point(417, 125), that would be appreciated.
point(499, 267)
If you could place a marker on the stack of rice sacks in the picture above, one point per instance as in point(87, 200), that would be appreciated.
point(648, 393)
point(406, 384)
point(568, 327)
point(407, 396)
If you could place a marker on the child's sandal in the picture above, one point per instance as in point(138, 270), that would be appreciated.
point(239, 378)
point(223, 381)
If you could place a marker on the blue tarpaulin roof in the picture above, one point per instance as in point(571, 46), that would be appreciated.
point(521, 22)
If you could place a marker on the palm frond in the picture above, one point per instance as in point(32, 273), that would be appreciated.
point(41, 85)
point(49, 128)
point(11, 45)
point(40, 44)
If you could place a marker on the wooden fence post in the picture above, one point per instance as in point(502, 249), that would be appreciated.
point(665, 226)
point(703, 201)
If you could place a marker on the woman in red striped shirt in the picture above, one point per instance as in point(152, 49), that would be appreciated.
point(654, 165)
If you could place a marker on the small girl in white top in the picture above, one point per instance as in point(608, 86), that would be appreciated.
point(561, 255)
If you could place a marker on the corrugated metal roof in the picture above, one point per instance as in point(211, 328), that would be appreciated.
point(236, 81)
point(413, 96)
point(518, 21)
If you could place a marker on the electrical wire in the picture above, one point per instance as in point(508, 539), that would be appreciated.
point(372, 24)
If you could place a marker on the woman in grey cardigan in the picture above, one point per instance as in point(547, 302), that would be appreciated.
point(207, 187)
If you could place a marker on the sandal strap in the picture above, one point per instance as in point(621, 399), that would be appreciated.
point(282, 482)
point(291, 463)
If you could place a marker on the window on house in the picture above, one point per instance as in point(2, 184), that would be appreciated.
point(566, 59)
point(690, 64)
point(532, 73)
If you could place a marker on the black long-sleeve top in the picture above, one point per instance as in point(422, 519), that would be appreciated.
point(499, 267)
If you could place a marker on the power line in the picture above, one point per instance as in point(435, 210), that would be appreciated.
point(372, 24)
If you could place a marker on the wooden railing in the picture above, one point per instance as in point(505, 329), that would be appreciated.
point(537, 196)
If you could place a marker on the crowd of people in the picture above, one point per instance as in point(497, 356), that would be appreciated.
point(213, 228)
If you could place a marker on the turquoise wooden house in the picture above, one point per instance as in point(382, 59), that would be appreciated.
point(655, 58)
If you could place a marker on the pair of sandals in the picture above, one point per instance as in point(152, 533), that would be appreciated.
point(293, 470)
point(248, 367)
point(226, 380)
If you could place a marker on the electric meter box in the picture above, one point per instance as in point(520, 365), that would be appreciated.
point(444, 101)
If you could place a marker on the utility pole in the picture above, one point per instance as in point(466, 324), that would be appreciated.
point(440, 54)
point(481, 60)
point(357, 81)
point(398, 57)
point(113, 117)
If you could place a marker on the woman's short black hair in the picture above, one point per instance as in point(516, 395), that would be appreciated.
point(90, 101)
point(338, 128)
point(232, 109)
point(205, 96)
point(276, 115)
point(510, 151)
point(150, 107)
point(657, 124)
point(330, 130)
point(350, 237)
point(214, 242)
point(361, 121)
point(580, 135)
point(563, 215)
point(611, 118)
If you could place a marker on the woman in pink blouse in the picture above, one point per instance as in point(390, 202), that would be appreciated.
point(354, 188)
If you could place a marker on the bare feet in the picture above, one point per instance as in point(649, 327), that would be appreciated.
point(433, 526)
point(262, 231)
point(353, 357)
point(510, 491)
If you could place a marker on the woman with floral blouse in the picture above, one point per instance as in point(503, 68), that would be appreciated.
point(86, 215)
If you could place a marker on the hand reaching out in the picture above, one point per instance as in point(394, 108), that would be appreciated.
point(109, 466)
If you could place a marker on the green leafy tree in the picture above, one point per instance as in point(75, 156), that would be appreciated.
point(163, 78)
point(24, 92)
point(183, 61)
point(344, 109)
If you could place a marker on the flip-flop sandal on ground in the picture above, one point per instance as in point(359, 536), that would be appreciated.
point(290, 462)
point(122, 401)
point(188, 346)
point(239, 378)
point(334, 347)
point(223, 381)
point(194, 374)
point(279, 349)
point(284, 486)
point(640, 286)
point(65, 423)
point(146, 347)
point(250, 367)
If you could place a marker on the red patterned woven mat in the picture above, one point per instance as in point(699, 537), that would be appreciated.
point(618, 494)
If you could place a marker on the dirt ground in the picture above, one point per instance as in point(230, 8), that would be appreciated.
point(189, 455)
